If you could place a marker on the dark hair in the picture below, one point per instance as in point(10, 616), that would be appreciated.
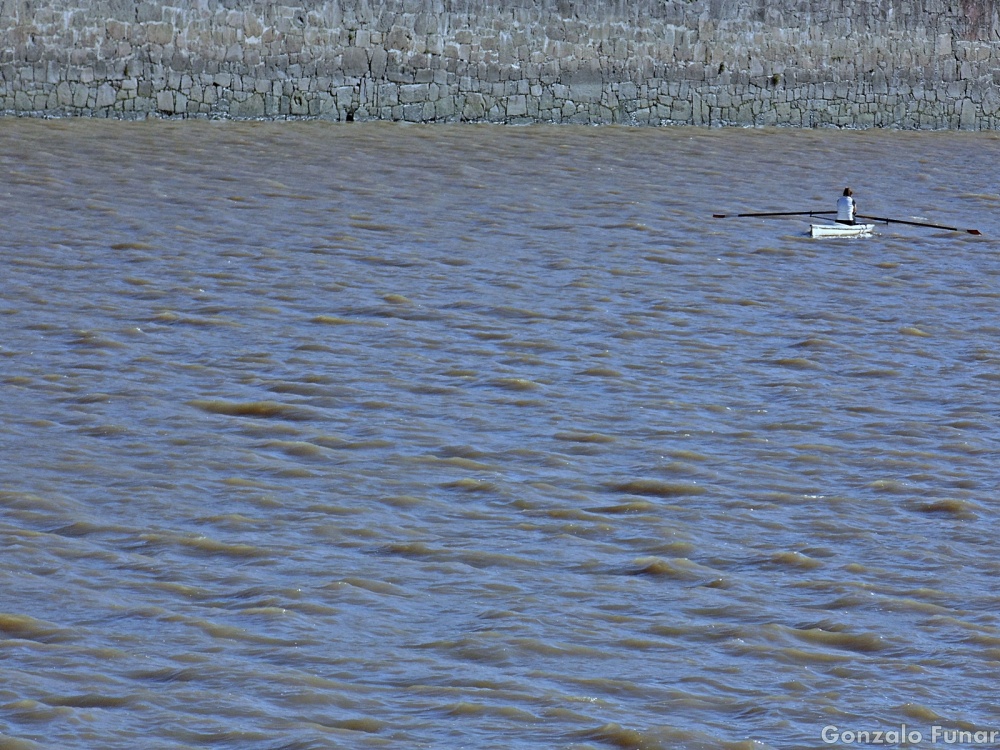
point(848, 191)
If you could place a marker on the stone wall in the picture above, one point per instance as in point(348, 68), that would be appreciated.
point(848, 63)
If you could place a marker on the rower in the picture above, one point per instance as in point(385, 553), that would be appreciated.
point(846, 207)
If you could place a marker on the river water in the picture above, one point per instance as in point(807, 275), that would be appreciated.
point(384, 436)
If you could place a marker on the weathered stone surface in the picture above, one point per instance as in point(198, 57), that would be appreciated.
point(165, 101)
point(106, 95)
point(355, 61)
point(802, 63)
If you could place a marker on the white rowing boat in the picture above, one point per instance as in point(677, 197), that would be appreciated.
point(840, 230)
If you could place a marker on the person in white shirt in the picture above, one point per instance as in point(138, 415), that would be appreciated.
point(847, 209)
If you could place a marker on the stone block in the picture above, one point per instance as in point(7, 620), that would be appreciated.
point(475, 107)
point(81, 93)
point(399, 38)
point(106, 95)
point(388, 94)
point(346, 97)
point(517, 106)
point(398, 76)
point(165, 101)
point(64, 94)
point(159, 33)
point(445, 109)
point(943, 47)
point(148, 10)
point(411, 93)
point(327, 107)
point(681, 111)
point(298, 104)
point(355, 61)
point(379, 60)
point(23, 102)
point(253, 27)
point(967, 118)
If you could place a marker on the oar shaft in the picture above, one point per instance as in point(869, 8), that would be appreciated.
point(904, 221)
point(775, 213)
point(917, 224)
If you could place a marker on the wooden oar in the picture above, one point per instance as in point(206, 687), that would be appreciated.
point(917, 224)
point(775, 213)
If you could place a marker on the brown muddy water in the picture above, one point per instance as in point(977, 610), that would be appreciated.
point(380, 436)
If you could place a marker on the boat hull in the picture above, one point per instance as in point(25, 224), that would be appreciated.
point(840, 230)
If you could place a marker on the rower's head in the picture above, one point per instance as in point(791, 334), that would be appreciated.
point(848, 191)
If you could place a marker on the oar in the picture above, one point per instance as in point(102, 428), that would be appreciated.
point(775, 213)
point(918, 224)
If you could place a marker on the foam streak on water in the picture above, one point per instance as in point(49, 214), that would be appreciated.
point(321, 436)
